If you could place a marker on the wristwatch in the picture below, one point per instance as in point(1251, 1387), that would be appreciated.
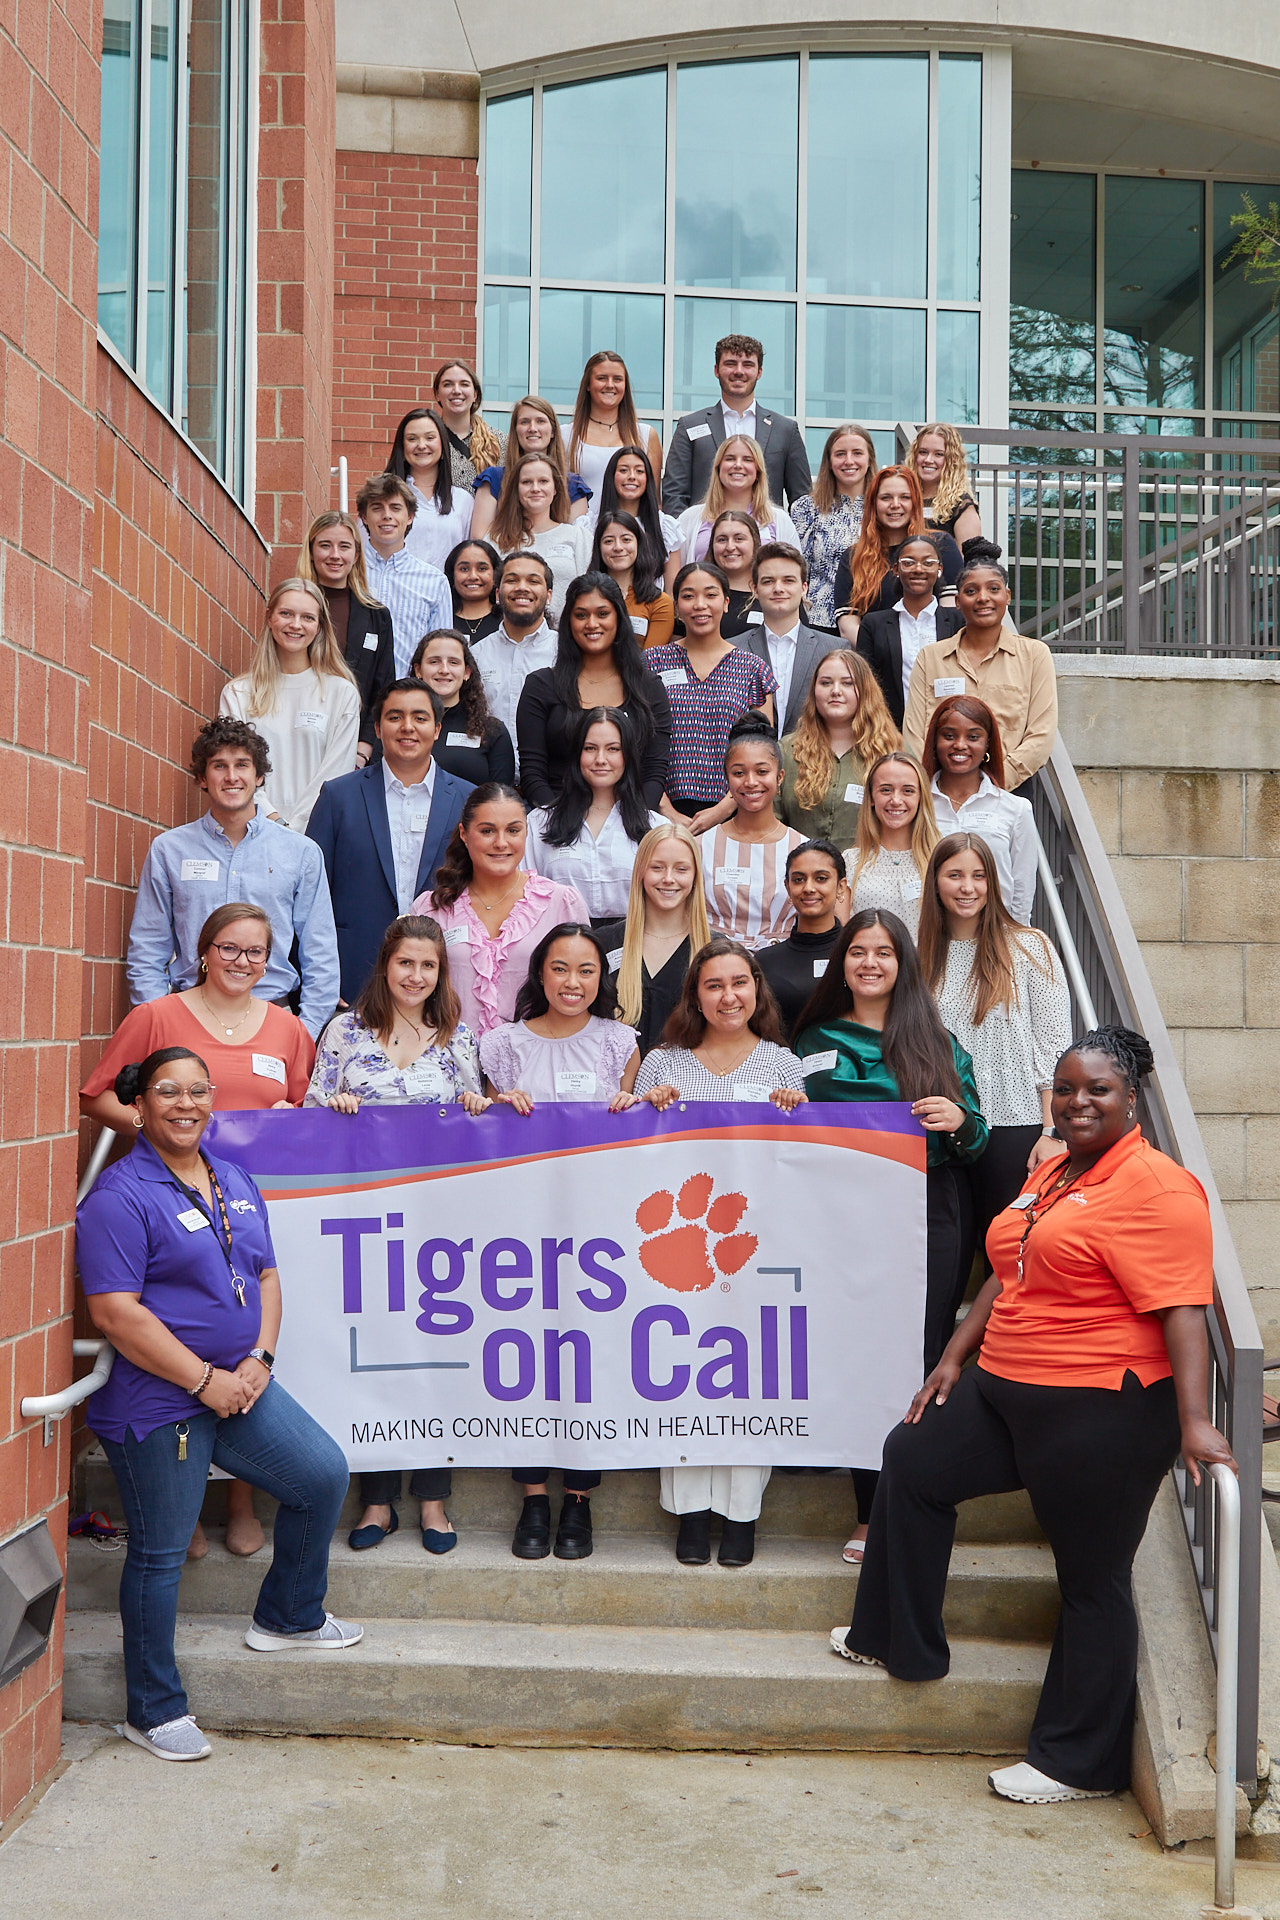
point(260, 1353)
point(1050, 1133)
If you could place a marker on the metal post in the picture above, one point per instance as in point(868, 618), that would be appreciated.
point(1228, 1569)
point(1131, 552)
point(341, 471)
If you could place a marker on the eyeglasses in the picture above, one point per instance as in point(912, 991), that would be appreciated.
point(254, 955)
point(201, 1091)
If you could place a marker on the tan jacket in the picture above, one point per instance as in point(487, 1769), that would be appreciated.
point(1017, 683)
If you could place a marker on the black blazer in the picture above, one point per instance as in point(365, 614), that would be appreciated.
point(810, 648)
point(687, 473)
point(349, 825)
point(880, 644)
point(370, 654)
point(544, 730)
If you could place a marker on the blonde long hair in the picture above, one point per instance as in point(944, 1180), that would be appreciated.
point(955, 481)
point(631, 969)
point(357, 579)
point(992, 981)
point(762, 507)
point(324, 654)
point(825, 490)
point(924, 828)
point(509, 531)
point(874, 733)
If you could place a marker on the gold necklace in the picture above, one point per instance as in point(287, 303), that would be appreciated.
point(214, 1017)
point(489, 905)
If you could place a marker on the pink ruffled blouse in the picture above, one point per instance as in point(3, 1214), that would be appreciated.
point(488, 974)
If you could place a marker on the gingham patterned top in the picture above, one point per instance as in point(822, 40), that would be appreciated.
point(702, 713)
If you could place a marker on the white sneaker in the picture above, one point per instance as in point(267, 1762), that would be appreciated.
point(1035, 1789)
point(847, 1653)
point(173, 1740)
point(331, 1637)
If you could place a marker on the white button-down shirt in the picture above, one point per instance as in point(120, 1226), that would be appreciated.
point(915, 631)
point(408, 809)
point(599, 868)
point(735, 423)
point(782, 658)
point(505, 664)
point(1007, 824)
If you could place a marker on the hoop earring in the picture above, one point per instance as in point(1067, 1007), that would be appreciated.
point(202, 969)
point(137, 1120)
point(986, 756)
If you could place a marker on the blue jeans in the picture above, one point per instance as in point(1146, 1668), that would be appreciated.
point(276, 1446)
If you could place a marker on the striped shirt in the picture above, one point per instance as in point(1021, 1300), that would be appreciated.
point(746, 887)
point(766, 1068)
point(702, 713)
point(417, 594)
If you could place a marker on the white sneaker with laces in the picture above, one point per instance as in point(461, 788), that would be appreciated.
point(330, 1638)
point(179, 1739)
point(1032, 1788)
point(847, 1653)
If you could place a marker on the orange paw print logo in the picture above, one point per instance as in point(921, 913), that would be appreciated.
point(687, 1257)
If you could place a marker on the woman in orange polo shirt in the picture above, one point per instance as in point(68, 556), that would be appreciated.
point(1092, 1375)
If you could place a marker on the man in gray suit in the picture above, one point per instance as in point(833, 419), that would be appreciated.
point(778, 634)
point(739, 364)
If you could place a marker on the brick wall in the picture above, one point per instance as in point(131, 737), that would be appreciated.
point(48, 274)
point(404, 270)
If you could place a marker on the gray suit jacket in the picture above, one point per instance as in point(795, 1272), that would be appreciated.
point(687, 473)
point(811, 646)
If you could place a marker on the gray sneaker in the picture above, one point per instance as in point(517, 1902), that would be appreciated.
point(173, 1740)
point(332, 1636)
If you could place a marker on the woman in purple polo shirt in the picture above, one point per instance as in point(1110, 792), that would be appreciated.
point(177, 1265)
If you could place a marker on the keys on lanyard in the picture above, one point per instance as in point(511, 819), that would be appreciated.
point(238, 1282)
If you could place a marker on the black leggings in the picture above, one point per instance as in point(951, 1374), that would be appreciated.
point(1092, 1460)
point(997, 1178)
point(425, 1483)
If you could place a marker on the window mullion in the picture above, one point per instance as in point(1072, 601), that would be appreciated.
point(802, 243)
point(535, 247)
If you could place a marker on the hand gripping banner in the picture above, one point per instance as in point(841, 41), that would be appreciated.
point(586, 1289)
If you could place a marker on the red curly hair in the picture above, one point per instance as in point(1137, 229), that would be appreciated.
point(869, 561)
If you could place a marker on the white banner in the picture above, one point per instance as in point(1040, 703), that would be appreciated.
point(581, 1289)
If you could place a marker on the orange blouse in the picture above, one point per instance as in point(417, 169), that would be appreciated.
point(250, 1074)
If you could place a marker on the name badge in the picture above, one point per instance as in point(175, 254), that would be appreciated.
point(818, 1062)
point(307, 720)
point(269, 1067)
point(192, 1220)
point(754, 1091)
point(614, 959)
point(463, 740)
point(418, 822)
point(732, 876)
point(819, 968)
point(1023, 1201)
point(755, 619)
point(672, 676)
point(371, 643)
point(575, 1086)
point(699, 433)
point(200, 869)
point(456, 937)
point(639, 623)
point(853, 794)
point(943, 689)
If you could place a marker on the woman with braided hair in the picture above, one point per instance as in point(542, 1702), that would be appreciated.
point(1092, 1370)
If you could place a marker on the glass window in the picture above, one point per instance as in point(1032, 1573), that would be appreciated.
point(508, 183)
point(866, 363)
point(1154, 293)
point(117, 177)
point(604, 145)
point(1052, 302)
point(573, 326)
point(1246, 328)
point(956, 374)
point(700, 323)
point(506, 343)
point(959, 174)
point(160, 203)
point(736, 169)
point(207, 257)
point(815, 439)
point(863, 107)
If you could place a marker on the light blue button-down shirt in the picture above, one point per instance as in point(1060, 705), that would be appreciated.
point(417, 594)
point(193, 869)
point(408, 811)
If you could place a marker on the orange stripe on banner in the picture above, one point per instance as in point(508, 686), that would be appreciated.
point(907, 1149)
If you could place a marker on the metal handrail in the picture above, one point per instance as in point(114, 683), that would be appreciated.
point(53, 1406)
point(1224, 1813)
point(341, 471)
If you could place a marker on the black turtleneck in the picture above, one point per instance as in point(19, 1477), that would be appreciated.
point(793, 969)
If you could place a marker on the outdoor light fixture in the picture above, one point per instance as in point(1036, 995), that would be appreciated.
point(30, 1582)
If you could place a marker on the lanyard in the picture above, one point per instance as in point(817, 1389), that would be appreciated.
point(224, 1248)
point(1058, 1192)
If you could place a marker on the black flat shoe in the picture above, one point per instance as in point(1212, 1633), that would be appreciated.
point(693, 1542)
point(737, 1543)
point(573, 1535)
point(532, 1537)
point(361, 1538)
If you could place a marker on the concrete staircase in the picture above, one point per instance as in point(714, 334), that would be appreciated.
point(627, 1648)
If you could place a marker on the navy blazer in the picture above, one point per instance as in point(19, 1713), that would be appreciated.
point(349, 825)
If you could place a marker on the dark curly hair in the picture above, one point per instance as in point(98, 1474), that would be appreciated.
point(687, 1024)
point(1127, 1051)
point(455, 873)
point(225, 732)
point(472, 704)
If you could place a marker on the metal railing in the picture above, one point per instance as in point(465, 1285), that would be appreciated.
point(1078, 903)
point(54, 1406)
point(1224, 1812)
point(1135, 543)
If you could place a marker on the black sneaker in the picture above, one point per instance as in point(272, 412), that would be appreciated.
point(573, 1535)
point(532, 1537)
point(693, 1542)
point(737, 1543)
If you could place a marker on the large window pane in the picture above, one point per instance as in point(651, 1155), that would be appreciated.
point(882, 438)
point(1052, 302)
point(866, 363)
point(506, 343)
point(117, 173)
point(1246, 328)
point(160, 193)
point(208, 164)
point(868, 212)
point(573, 326)
point(604, 179)
point(736, 145)
point(1153, 299)
point(959, 174)
point(700, 323)
point(508, 183)
point(956, 374)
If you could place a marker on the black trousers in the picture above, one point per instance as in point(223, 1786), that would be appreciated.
point(576, 1479)
point(997, 1178)
point(425, 1483)
point(1092, 1460)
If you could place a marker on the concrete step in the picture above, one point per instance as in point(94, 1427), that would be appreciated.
point(811, 1505)
point(515, 1684)
point(999, 1592)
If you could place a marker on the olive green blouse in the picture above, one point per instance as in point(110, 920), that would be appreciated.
point(853, 1068)
point(836, 815)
